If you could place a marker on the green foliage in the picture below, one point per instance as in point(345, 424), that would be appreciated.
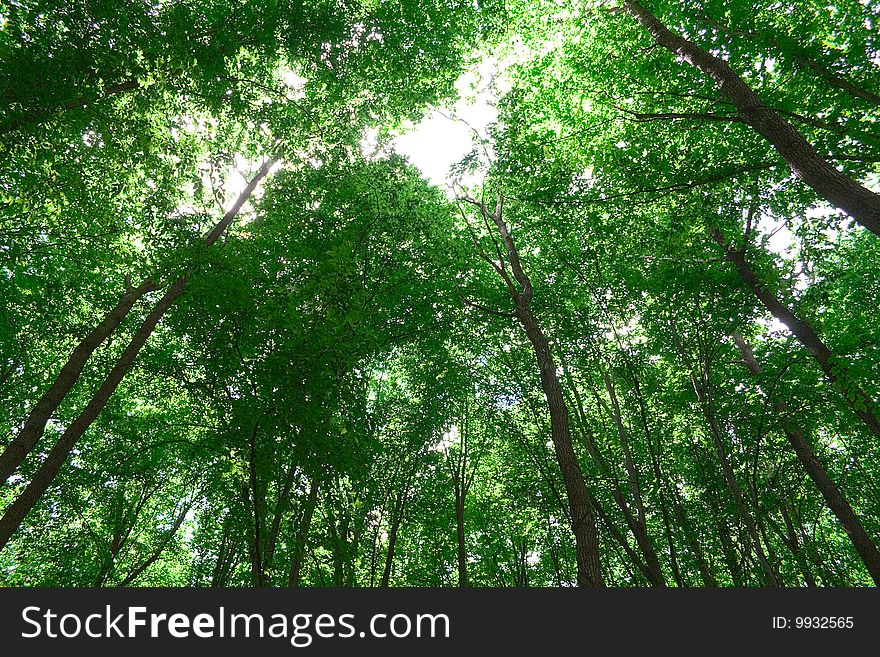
point(345, 357)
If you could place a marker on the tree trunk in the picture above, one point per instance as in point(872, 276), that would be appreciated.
point(35, 425)
point(392, 541)
point(805, 162)
point(462, 548)
point(651, 564)
point(737, 493)
point(281, 505)
point(703, 392)
point(834, 498)
point(48, 470)
point(833, 367)
point(138, 571)
point(253, 495)
point(223, 556)
point(302, 535)
point(792, 541)
point(582, 520)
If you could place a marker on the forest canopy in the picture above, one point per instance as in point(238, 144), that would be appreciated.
point(632, 341)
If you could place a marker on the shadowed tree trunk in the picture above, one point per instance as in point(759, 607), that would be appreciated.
point(252, 496)
point(399, 508)
point(281, 505)
point(703, 389)
point(226, 555)
point(462, 468)
point(35, 425)
point(302, 535)
point(650, 566)
point(149, 561)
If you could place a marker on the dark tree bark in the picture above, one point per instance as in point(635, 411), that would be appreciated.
point(462, 546)
point(252, 496)
point(399, 508)
point(77, 103)
point(48, 470)
point(35, 425)
point(805, 162)
point(281, 505)
point(520, 288)
point(462, 468)
point(834, 498)
point(833, 367)
point(835, 80)
point(122, 531)
point(792, 541)
point(302, 535)
point(225, 556)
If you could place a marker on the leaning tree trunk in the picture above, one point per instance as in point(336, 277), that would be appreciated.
point(49, 469)
point(154, 556)
point(399, 509)
point(833, 367)
point(650, 566)
point(26, 439)
point(704, 397)
point(834, 498)
point(805, 162)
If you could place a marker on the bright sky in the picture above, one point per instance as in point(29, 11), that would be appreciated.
point(444, 137)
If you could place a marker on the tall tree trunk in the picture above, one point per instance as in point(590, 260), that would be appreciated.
point(659, 479)
point(281, 505)
point(223, 555)
point(462, 472)
point(121, 534)
point(253, 495)
point(693, 542)
point(399, 508)
point(35, 425)
point(651, 564)
point(704, 397)
point(833, 367)
point(462, 547)
point(738, 496)
point(834, 498)
point(48, 470)
point(620, 539)
point(792, 541)
point(805, 162)
point(302, 535)
point(582, 519)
